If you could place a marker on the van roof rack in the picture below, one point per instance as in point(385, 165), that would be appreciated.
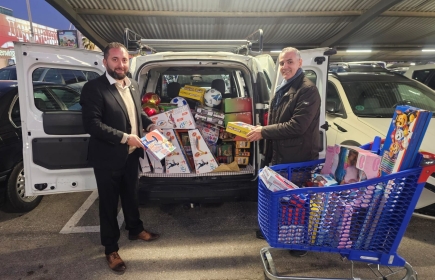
point(135, 44)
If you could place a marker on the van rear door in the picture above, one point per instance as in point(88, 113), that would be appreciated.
point(55, 145)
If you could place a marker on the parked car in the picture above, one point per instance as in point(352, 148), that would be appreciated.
point(60, 134)
point(360, 106)
point(423, 73)
point(8, 73)
point(47, 97)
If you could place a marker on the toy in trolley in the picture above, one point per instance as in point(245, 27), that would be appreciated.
point(362, 222)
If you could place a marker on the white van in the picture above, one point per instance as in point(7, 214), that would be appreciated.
point(56, 146)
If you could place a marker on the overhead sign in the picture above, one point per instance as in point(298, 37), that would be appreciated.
point(18, 30)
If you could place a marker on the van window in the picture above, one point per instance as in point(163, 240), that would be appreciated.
point(421, 75)
point(15, 116)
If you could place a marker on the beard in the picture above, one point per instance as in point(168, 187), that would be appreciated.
point(115, 75)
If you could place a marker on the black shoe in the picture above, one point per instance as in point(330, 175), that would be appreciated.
point(259, 234)
point(298, 253)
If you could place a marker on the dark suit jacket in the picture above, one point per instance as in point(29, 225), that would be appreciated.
point(105, 118)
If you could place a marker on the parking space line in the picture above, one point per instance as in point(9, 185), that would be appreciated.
point(70, 226)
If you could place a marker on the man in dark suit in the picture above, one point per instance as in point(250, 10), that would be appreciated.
point(113, 116)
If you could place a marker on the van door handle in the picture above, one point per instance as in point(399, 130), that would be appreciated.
point(340, 128)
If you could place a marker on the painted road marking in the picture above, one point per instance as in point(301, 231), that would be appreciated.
point(70, 226)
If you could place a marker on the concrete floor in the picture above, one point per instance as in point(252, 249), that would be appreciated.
point(207, 242)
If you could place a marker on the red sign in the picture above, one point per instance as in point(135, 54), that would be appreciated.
point(15, 29)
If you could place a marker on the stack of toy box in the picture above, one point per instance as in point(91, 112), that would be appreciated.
point(242, 152)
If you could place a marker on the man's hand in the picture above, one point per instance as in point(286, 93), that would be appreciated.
point(134, 140)
point(255, 134)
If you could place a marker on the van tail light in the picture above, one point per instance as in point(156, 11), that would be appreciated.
point(265, 117)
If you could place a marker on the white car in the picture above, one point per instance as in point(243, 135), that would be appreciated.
point(425, 74)
point(56, 146)
point(360, 106)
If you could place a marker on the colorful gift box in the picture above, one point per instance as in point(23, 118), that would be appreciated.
point(179, 118)
point(157, 145)
point(243, 144)
point(209, 119)
point(242, 160)
point(239, 128)
point(210, 132)
point(236, 105)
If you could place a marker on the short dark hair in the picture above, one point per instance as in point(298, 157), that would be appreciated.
point(113, 45)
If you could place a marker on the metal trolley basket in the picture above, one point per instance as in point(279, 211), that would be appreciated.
point(362, 221)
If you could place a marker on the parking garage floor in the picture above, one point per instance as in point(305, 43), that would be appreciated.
point(60, 240)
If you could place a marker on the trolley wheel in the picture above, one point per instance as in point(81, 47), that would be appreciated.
point(411, 274)
point(269, 265)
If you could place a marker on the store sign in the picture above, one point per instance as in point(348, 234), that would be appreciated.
point(7, 53)
point(14, 29)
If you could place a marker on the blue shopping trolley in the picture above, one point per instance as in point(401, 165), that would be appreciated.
point(362, 222)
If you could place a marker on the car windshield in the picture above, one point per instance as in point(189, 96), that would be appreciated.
point(379, 98)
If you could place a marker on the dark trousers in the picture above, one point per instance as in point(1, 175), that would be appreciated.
point(112, 184)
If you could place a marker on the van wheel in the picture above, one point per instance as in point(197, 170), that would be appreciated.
point(351, 143)
point(17, 201)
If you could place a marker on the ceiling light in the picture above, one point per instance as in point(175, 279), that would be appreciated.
point(358, 50)
point(428, 50)
point(276, 51)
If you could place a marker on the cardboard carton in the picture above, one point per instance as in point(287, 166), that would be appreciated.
point(179, 118)
point(156, 164)
point(175, 162)
point(202, 156)
point(207, 111)
point(157, 145)
point(237, 105)
point(239, 128)
point(193, 92)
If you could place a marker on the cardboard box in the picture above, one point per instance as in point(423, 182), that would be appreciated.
point(238, 117)
point(209, 119)
point(179, 118)
point(242, 152)
point(193, 92)
point(243, 144)
point(236, 105)
point(324, 180)
point(157, 145)
point(144, 164)
point(175, 162)
point(156, 164)
point(210, 132)
point(202, 156)
point(275, 182)
point(239, 128)
point(225, 150)
point(207, 111)
point(242, 160)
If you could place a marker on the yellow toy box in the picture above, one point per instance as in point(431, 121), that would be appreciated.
point(193, 92)
point(239, 128)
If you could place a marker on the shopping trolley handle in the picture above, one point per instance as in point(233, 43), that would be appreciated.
point(428, 164)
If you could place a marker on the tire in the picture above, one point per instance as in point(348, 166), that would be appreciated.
point(351, 143)
point(17, 201)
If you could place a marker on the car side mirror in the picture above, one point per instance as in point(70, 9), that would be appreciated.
point(332, 108)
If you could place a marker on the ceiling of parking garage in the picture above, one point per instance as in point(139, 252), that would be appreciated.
point(394, 30)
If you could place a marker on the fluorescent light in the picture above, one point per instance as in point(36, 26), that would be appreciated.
point(358, 50)
point(428, 50)
point(276, 51)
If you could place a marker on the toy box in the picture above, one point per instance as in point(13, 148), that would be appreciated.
point(239, 128)
point(209, 131)
point(242, 160)
point(225, 150)
point(193, 92)
point(404, 138)
point(324, 180)
point(156, 164)
point(175, 162)
point(275, 182)
point(243, 144)
point(202, 156)
point(242, 152)
point(236, 105)
point(245, 117)
point(157, 145)
point(207, 111)
point(210, 119)
point(182, 117)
